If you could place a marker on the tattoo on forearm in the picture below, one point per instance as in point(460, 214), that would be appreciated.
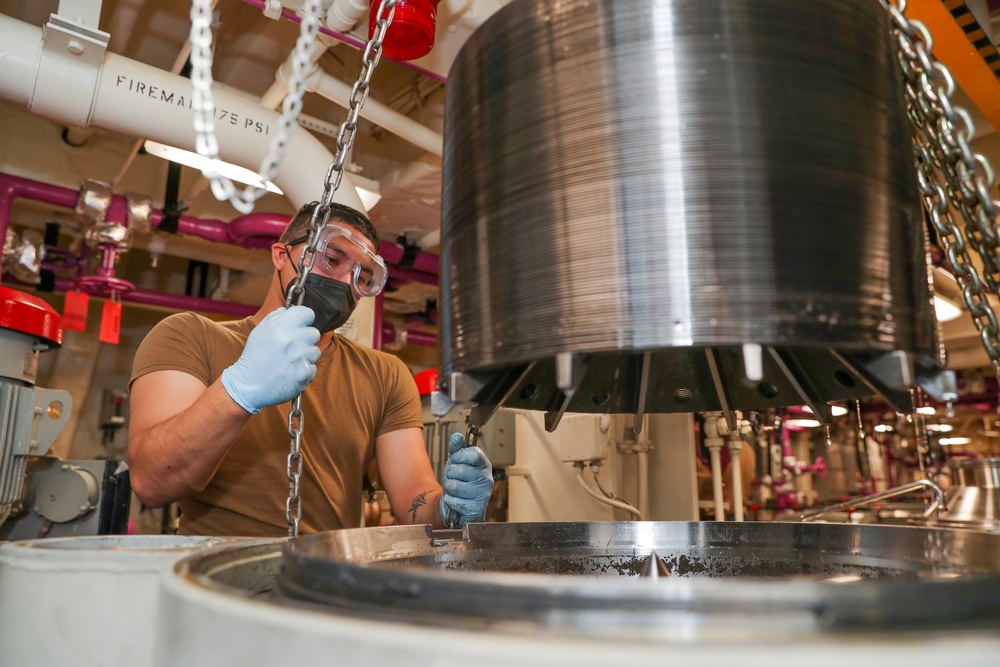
point(418, 502)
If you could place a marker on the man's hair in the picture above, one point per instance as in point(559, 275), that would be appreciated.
point(299, 225)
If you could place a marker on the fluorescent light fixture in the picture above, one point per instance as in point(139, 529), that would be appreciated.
point(835, 410)
point(955, 441)
point(926, 410)
point(945, 310)
point(201, 163)
point(368, 190)
point(801, 423)
point(883, 428)
point(940, 428)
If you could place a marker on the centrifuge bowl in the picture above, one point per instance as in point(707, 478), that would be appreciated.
point(648, 577)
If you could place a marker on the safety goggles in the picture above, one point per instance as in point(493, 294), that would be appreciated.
point(340, 251)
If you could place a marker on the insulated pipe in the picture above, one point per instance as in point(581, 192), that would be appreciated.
point(140, 100)
point(254, 230)
point(401, 125)
point(247, 228)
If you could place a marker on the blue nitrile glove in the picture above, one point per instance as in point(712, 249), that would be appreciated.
point(468, 482)
point(279, 360)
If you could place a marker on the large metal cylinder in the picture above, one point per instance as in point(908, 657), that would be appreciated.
point(681, 177)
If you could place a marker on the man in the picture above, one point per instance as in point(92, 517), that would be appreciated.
point(210, 403)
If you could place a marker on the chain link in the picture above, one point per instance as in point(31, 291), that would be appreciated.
point(206, 142)
point(951, 176)
point(317, 223)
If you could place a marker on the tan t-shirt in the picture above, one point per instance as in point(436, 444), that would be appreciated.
point(358, 395)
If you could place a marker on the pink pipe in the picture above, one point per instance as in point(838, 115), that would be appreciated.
point(173, 301)
point(255, 230)
point(403, 275)
point(347, 39)
point(424, 262)
point(377, 328)
point(211, 230)
point(13, 187)
point(269, 226)
point(390, 334)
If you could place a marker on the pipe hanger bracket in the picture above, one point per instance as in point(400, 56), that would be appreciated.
point(68, 70)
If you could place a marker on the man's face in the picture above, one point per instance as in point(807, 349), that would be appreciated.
point(344, 254)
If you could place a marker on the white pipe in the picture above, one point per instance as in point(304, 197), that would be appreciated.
point(178, 65)
point(345, 14)
point(402, 126)
point(19, 51)
point(608, 501)
point(642, 448)
point(720, 506)
point(143, 101)
point(642, 485)
point(735, 468)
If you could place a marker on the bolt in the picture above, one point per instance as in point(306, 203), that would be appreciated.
point(75, 47)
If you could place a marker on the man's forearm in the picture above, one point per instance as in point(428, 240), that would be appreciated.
point(425, 508)
point(178, 456)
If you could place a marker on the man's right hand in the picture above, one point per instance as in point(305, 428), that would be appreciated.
point(278, 362)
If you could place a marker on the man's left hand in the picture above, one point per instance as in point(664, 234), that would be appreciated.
point(468, 482)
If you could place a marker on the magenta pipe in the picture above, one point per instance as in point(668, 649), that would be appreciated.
point(390, 334)
point(255, 230)
point(347, 39)
point(408, 276)
point(424, 262)
point(423, 338)
point(377, 328)
point(173, 301)
point(12, 187)
point(256, 225)
point(210, 230)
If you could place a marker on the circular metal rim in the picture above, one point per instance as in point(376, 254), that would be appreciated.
point(360, 584)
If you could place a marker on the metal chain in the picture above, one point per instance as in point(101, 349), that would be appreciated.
point(203, 101)
point(950, 174)
point(317, 223)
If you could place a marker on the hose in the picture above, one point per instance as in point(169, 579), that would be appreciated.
point(608, 501)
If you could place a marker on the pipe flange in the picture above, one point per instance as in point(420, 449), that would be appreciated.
point(106, 287)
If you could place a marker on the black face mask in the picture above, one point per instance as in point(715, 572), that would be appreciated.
point(331, 300)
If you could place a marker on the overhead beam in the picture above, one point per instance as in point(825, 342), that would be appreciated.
point(953, 47)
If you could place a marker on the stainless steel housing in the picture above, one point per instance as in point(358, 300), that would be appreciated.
point(594, 578)
point(973, 500)
point(649, 185)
